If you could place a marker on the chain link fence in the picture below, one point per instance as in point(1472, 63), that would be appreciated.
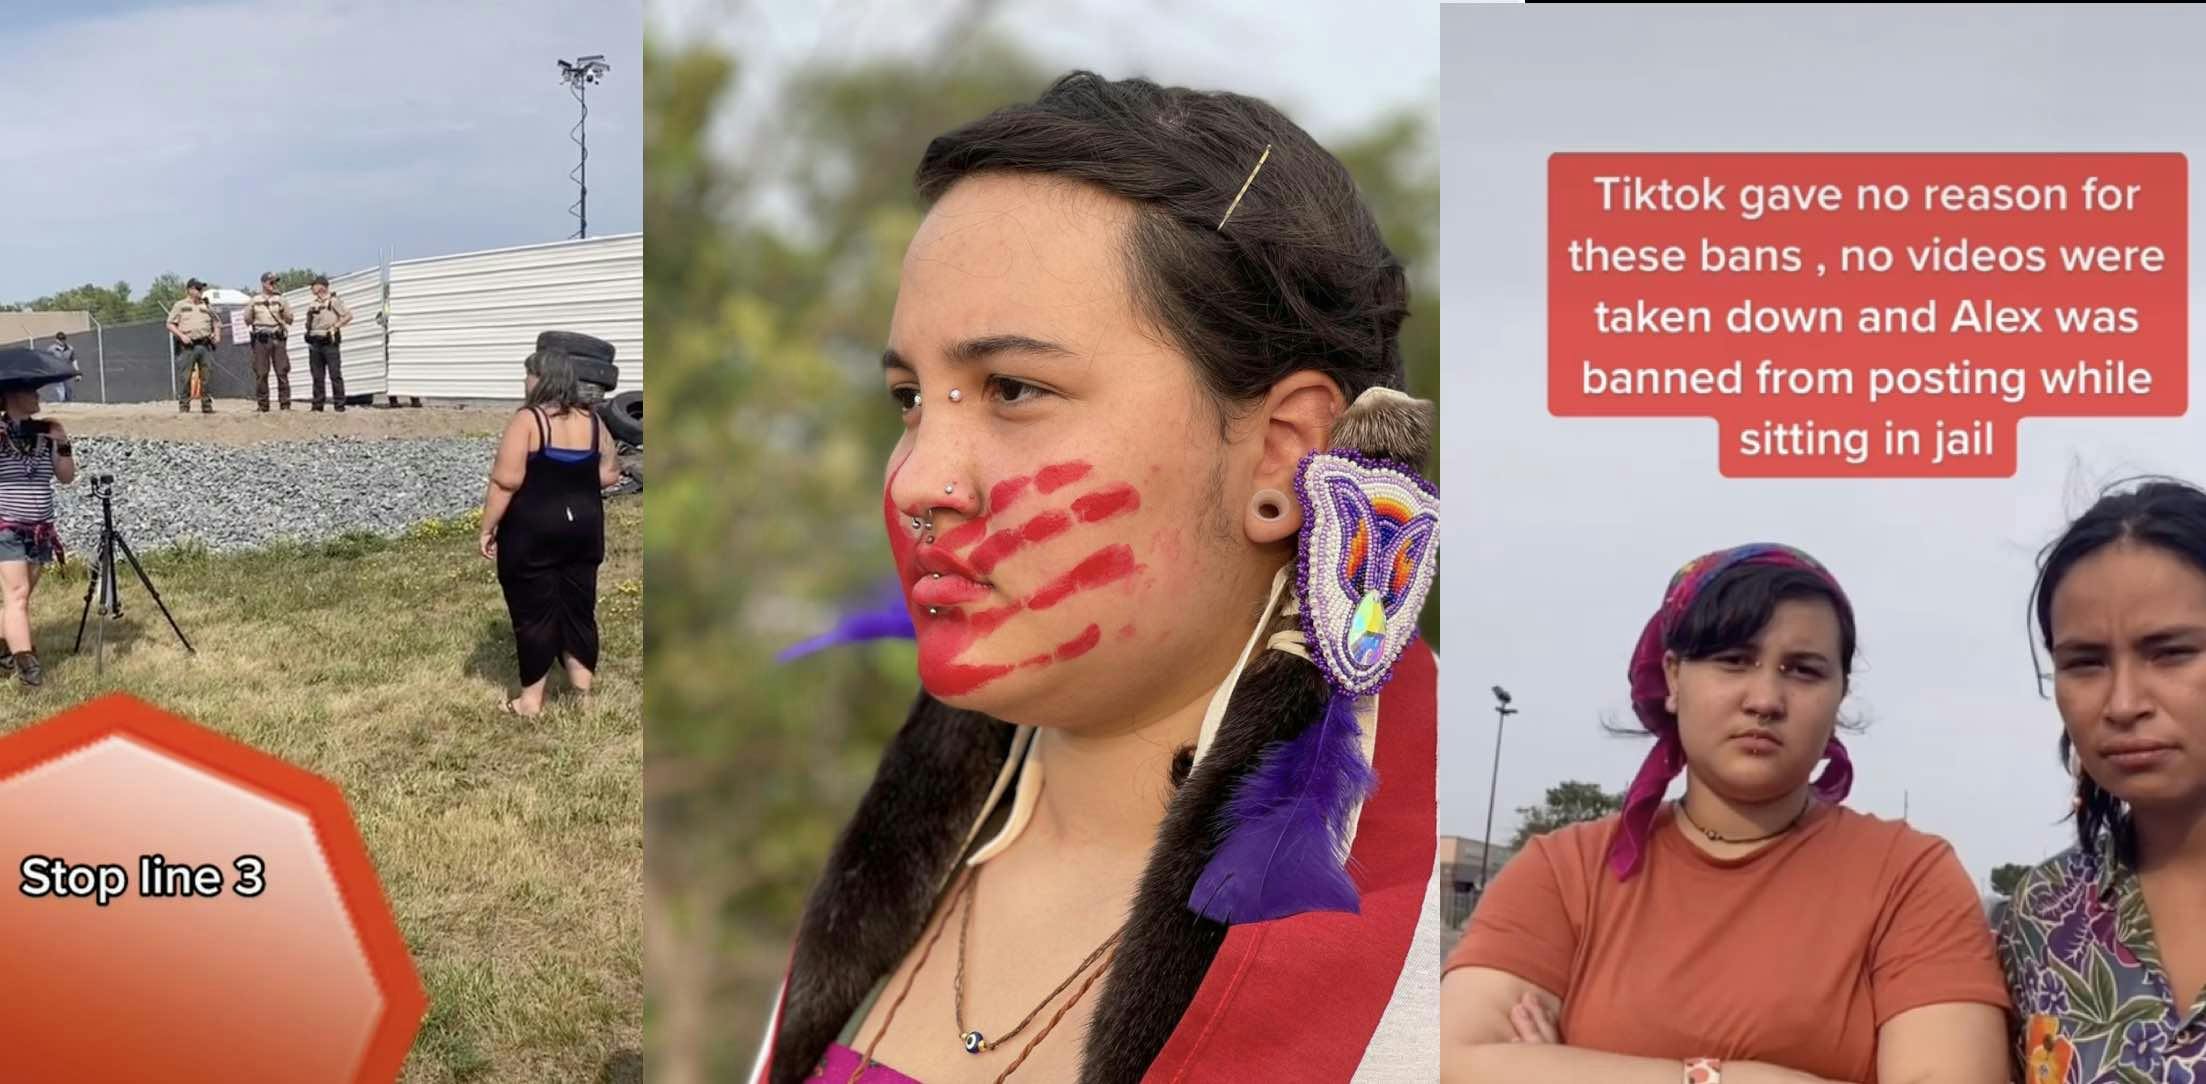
point(133, 363)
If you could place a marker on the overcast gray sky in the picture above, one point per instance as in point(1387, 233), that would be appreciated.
point(1329, 66)
point(1561, 534)
point(224, 139)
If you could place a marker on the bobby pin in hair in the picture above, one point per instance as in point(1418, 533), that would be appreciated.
point(1245, 185)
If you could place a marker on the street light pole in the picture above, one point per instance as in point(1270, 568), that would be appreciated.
point(580, 74)
point(1502, 712)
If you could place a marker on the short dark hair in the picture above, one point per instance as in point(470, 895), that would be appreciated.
point(320, 280)
point(1299, 277)
point(1731, 610)
point(58, 335)
point(1734, 607)
point(2167, 514)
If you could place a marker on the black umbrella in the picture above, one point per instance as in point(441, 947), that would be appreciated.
point(22, 368)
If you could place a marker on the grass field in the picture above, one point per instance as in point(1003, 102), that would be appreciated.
point(511, 849)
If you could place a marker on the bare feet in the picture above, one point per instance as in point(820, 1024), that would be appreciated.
point(578, 677)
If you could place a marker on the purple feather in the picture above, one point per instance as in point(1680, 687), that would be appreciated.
point(883, 617)
point(1283, 856)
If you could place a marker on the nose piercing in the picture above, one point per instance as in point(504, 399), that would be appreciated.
point(956, 396)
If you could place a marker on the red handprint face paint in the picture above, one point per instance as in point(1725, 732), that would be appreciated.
point(955, 606)
point(1073, 483)
point(943, 636)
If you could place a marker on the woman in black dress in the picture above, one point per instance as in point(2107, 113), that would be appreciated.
point(543, 519)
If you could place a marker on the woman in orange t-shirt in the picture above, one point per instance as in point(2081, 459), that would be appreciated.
point(1755, 931)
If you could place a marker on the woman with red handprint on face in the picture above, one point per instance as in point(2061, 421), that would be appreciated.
point(1161, 538)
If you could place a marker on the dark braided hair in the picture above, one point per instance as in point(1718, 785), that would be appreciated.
point(1298, 277)
point(2165, 513)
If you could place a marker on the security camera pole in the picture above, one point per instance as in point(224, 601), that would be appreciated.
point(1502, 712)
point(581, 74)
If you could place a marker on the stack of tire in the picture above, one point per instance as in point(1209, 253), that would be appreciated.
point(621, 413)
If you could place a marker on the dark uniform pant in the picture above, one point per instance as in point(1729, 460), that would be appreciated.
point(197, 356)
point(269, 357)
point(321, 359)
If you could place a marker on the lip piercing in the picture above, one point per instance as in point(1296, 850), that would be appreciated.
point(956, 396)
point(949, 489)
point(931, 611)
point(917, 523)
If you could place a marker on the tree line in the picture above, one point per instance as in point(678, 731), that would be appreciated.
point(117, 305)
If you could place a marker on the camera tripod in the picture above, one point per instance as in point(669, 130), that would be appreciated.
point(104, 583)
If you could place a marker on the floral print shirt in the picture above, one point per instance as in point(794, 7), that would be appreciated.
point(2091, 999)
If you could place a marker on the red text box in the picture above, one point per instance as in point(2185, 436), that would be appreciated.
point(1868, 315)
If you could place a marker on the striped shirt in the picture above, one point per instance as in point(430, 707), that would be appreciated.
point(27, 483)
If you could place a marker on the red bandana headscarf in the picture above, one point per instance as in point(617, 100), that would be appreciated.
point(1650, 688)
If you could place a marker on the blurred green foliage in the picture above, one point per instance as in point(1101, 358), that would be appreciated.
point(770, 273)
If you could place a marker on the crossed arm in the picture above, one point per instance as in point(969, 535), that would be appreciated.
point(1497, 1027)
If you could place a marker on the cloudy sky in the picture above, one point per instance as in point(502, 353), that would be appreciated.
point(224, 139)
point(1562, 533)
point(1330, 66)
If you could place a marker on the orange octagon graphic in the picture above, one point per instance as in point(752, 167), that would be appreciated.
point(182, 907)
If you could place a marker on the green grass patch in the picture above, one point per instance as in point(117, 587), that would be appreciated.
point(511, 849)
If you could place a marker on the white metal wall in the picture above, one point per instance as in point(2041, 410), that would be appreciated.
point(461, 325)
point(361, 354)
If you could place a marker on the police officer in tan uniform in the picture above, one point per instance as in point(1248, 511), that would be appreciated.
point(270, 317)
point(326, 317)
point(191, 321)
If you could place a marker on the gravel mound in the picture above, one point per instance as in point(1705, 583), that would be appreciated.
point(234, 497)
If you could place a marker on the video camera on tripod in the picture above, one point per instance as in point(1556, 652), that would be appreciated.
point(104, 583)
